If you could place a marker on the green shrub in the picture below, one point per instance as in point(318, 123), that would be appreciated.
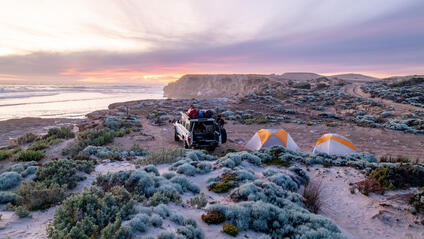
point(226, 183)
point(198, 201)
point(29, 155)
point(8, 197)
point(38, 146)
point(417, 201)
point(96, 137)
point(61, 133)
point(36, 195)
point(399, 159)
point(21, 211)
point(163, 156)
point(26, 138)
point(302, 85)
point(86, 215)
point(89, 137)
point(156, 220)
point(213, 217)
point(9, 180)
point(164, 197)
point(140, 222)
point(115, 230)
point(398, 177)
point(63, 172)
point(166, 235)
point(230, 229)
point(262, 120)
point(332, 124)
point(5, 154)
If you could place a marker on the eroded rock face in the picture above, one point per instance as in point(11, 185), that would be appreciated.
point(208, 86)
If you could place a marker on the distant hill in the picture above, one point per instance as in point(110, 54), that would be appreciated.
point(300, 76)
point(227, 85)
point(353, 77)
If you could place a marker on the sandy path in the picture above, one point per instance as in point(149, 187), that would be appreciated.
point(355, 90)
point(360, 216)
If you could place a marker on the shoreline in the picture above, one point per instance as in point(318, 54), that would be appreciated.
point(13, 128)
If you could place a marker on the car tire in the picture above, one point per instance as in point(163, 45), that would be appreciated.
point(176, 137)
point(223, 136)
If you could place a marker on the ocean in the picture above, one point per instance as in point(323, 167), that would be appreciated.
point(50, 101)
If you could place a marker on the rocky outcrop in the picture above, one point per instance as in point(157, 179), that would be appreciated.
point(208, 86)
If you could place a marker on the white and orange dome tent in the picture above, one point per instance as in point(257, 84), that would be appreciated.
point(271, 137)
point(334, 144)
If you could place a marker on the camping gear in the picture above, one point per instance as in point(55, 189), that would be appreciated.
point(270, 137)
point(208, 114)
point(192, 112)
point(201, 114)
point(334, 144)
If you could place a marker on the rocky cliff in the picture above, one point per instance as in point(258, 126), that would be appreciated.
point(225, 85)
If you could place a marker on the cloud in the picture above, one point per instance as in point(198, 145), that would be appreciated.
point(131, 40)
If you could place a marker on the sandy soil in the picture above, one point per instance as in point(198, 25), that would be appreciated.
point(13, 128)
point(381, 142)
point(359, 216)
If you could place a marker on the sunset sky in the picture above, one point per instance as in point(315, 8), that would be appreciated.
point(118, 41)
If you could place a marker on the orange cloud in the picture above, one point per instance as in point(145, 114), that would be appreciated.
point(120, 75)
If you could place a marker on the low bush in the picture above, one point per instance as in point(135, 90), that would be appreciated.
point(5, 154)
point(92, 137)
point(38, 146)
point(227, 182)
point(291, 221)
point(115, 230)
point(140, 222)
point(162, 157)
point(176, 217)
point(367, 186)
point(398, 177)
point(186, 169)
point(29, 155)
point(91, 214)
point(417, 202)
point(8, 197)
point(390, 159)
point(61, 133)
point(156, 220)
point(230, 229)
point(162, 210)
point(284, 181)
point(213, 217)
point(63, 172)
point(145, 184)
point(198, 201)
point(260, 190)
point(96, 137)
point(232, 160)
point(26, 138)
point(167, 235)
point(24, 168)
point(9, 180)
point(311, 196)
point(151, 169)
point(302, 85)
point(164, 197)
point(22, 212)
point(36, 195)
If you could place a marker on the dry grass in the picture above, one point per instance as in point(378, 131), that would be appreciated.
point(163, 156)
point(311, 196)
